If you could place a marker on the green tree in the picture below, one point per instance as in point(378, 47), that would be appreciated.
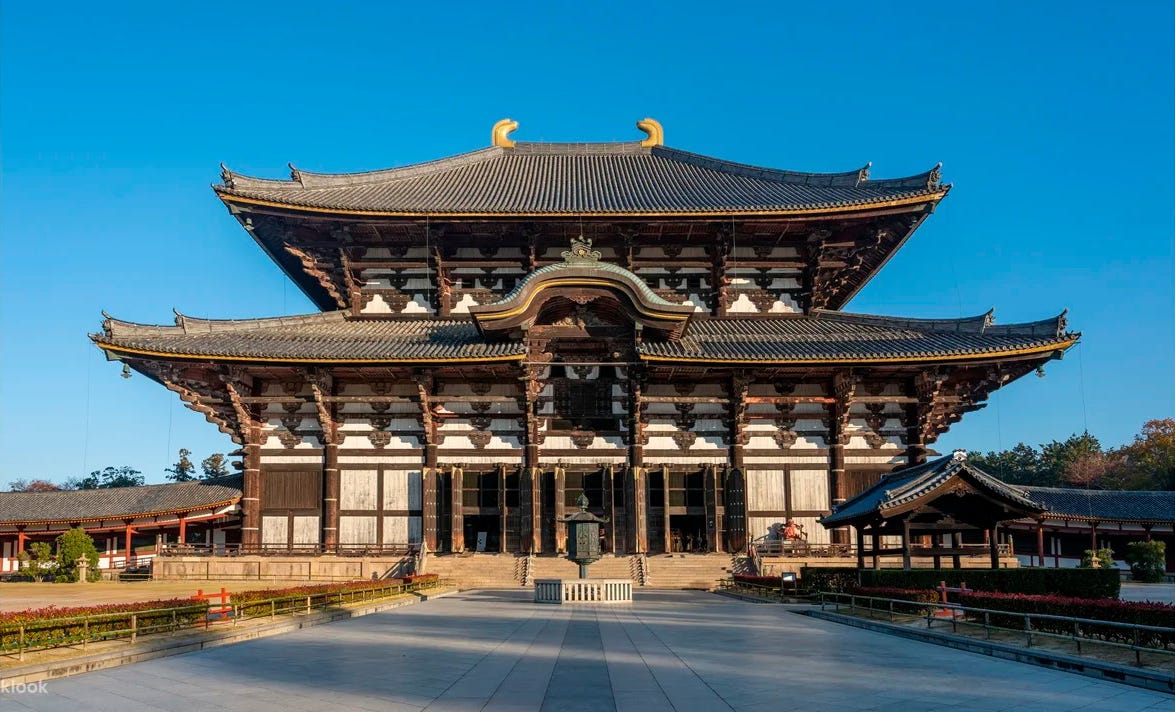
point(125, 476)
point(1019, 466)
point(38, 562)
point(1147, 559)
point(71, 546)
point(183, 470)
point(215, 465)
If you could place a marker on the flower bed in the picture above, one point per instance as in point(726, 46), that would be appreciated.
point(1149, 614)
point(52, 626)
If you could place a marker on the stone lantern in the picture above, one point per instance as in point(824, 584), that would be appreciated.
point(583, 541)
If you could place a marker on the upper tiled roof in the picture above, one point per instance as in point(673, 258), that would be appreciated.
point(823, 337)
point(905, 486)
point(839, 336)
point(1104, 505)
point(578, 178)
point(117, 502)
point(329, 336)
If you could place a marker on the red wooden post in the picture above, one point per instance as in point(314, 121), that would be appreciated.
point(183, 530)
point(1040, 542)
point(129, 551)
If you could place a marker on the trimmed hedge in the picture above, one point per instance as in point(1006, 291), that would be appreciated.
point(250, 602)
point(42, 631)
point(830, 579)
point(1074, 583)
point(1151, 614)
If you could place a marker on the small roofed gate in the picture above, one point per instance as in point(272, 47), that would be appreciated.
point(735, 510)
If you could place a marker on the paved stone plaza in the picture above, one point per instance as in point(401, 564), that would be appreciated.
point(667, 651)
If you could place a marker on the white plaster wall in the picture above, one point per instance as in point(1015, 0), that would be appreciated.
point(357, 489)
point(357, 530)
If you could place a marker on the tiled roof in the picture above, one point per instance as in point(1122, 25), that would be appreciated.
point(905, 486)
point(328, 336)
point(117, 502)
point(572, 178)
point(1104, 505)
point(823, 337)
point(839, 336)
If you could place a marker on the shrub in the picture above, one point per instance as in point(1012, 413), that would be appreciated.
point(71, 546)
point(832, 579)
point(37, 563)
point(1079, 583)
point(1150, 614)
point(256, 601)
point(1098, 559)
point(1147, 559)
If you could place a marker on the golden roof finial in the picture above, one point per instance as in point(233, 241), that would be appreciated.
point(499, 136)
point(656, 134)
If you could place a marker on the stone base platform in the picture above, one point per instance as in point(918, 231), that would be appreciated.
point(583, 591)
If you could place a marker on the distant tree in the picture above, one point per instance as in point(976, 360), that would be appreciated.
point(1058, 457)
point(1019, 466)
point(1152, 454)
point(1095, 470)
point(183, 470)
point(36, 485)
point(125, 476)
point(215, 465)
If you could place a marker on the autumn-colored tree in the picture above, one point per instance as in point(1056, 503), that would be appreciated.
point(1152, 454)
point(37, 485)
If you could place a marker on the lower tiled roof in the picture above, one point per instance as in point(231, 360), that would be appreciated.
point(117, 502)
point(838, 336)
point(1104, 505)
point(824, 337)
point(316, 337)
point(904, 486)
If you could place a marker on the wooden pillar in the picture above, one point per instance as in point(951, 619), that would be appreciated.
point(937, 541)
point(183, 519)
point(636, 526)
point(456, 510)
point(1040, 542)
point(876, 538)
point(330, 492)
point(993, 545)
point(713, 518)
point(560, 512)
point(906, 543)
point(665, 493)
point(428, 498)
point(609, 474)
point(860, 547)
point(536, 509)
point(502, 509)
point(957, 545)
point(530, 498)
point(915, 445)
point(842, 388)
point(251, 495)
point(1093, 536)
point(129, 545)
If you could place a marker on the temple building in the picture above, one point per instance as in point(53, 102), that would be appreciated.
point(503, 330)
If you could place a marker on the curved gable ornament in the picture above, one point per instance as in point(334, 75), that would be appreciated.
point(581, 276)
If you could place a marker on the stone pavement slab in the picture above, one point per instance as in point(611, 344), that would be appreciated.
point(669, 650)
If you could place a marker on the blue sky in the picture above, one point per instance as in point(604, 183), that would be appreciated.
point(1053, 120)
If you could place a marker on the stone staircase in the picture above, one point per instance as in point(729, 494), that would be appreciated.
point(696, 571)
point(609, 567)
point(469, 571)
point(679, 571)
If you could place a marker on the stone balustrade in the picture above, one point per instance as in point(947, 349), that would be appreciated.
point(583, 591)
